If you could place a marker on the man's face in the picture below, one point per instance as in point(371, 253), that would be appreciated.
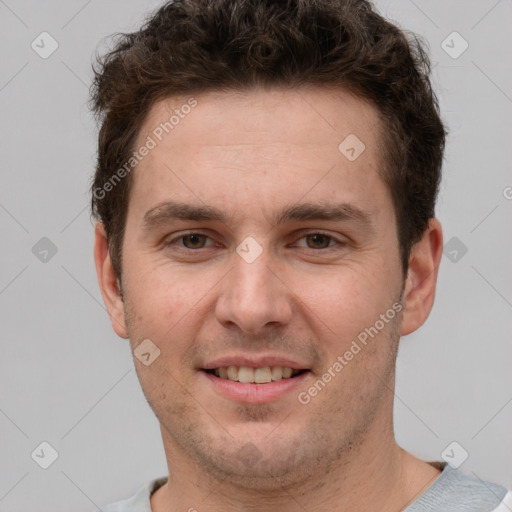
point(266, 284)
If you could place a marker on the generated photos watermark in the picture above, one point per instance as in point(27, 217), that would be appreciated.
point(157, 135)
point(305, 397)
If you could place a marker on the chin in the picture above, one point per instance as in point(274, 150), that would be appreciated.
point(259, 459)
point(260, 472)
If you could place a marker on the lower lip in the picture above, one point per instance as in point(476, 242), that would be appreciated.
point(255, 393)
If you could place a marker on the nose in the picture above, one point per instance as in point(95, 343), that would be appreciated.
point(254, 296)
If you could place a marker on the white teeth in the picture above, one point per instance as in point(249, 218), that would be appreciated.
point(248, 375)
point(245, 374)
point(277, 372)
point(232, 373)
point(287, 373)
point(262, 375)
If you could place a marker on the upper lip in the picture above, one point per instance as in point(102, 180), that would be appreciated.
point(261, 361)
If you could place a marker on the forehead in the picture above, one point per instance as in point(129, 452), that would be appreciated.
point(320, 114)
point(262, 146)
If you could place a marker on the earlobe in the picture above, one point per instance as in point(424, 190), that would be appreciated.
point(420, 286)
point(108, 281)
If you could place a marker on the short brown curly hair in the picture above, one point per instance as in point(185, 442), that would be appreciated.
point(191, 46)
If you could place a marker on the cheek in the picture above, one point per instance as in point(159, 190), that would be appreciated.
point(153, 310)
point(347, 299)
point(156, 290)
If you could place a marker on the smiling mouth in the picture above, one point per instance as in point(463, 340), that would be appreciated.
point(248, 375)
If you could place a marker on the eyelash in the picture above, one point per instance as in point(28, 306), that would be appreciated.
point(338, 242)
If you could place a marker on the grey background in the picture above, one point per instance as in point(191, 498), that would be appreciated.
point(65, 377)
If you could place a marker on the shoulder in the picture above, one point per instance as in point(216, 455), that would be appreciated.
point(139, 502)
point(454, 491)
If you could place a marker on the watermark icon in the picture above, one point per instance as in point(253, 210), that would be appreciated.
point(44, 250)
point(351, 147)
point(507, 193)
point(147, 352)
point(249, 249)
point(157, 135)
point(455, 454)
point(249, 454)
point(44, 455)
point(304, 397)
point(454, 45)
point(455, 249)
point(44, 45)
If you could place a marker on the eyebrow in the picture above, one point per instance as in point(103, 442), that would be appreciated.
point(168, 211)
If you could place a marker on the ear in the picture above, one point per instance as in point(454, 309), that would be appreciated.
point(108, 282)
point(420, 287)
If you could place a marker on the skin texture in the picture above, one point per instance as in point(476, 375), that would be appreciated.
point(251, 154)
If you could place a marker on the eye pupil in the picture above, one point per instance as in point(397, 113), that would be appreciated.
point(317, 238)
point(195, 239)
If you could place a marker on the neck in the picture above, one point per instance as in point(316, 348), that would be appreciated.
point(375, 475)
